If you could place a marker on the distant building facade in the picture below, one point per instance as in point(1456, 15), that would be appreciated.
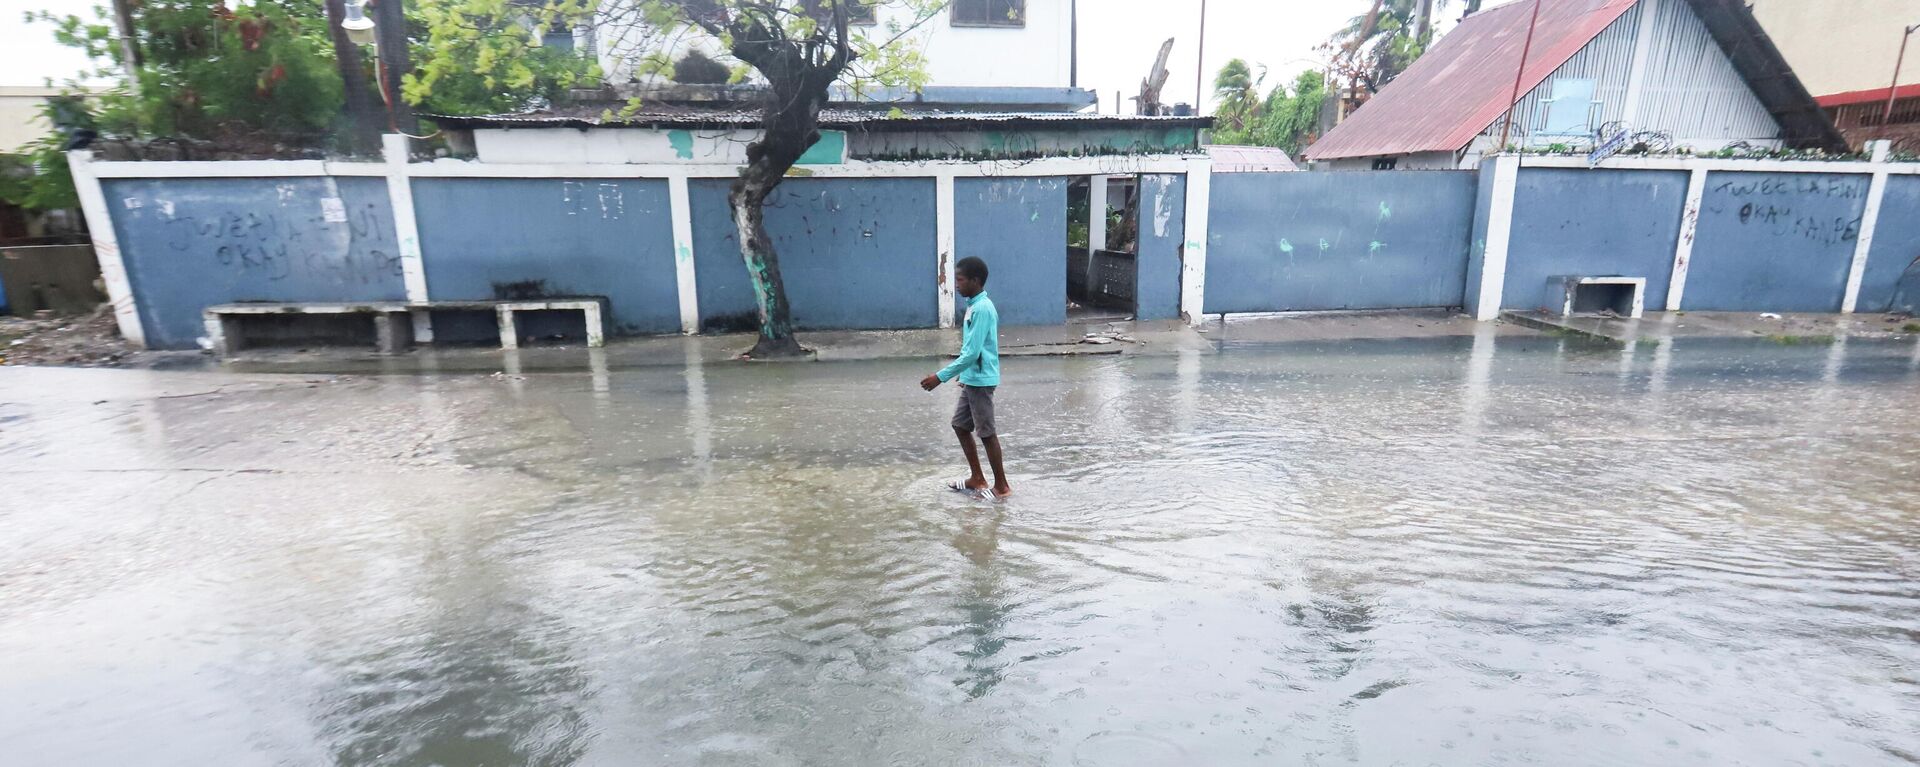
point(980, 55)
point(1694, 73)
point(1846, 59)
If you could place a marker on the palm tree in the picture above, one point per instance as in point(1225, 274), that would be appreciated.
point(1236, 94)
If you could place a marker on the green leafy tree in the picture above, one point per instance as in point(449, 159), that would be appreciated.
point(483, 56)
point(38, 177)
point(1290, 117)
point(1287, 118)
point(797, 50)
point(269, 74)
point(205, 71)
point(209, 71)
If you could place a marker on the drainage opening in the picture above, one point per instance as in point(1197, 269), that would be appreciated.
point(1596, 298)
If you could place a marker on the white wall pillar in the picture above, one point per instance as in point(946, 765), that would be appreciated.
point(106, 246)
point(944, 243)
point(1493, 262)
point(1096, 213)
point(680, 210)
point(406, 229)
point(1683, 246)
point(1193, 253)
point(1869, 219)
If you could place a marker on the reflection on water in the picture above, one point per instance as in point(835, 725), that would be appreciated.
point(1485, 549)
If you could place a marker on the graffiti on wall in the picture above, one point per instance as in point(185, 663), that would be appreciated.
point(330, 242)
point(1782, 205)
point(604, 200)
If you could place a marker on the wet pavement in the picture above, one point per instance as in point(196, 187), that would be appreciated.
point(1480, 549)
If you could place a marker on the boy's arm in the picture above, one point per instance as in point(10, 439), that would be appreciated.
point(970, 349)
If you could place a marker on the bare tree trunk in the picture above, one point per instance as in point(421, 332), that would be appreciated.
point(363, 114)
point(390, 24)
point(791, 127)
point(763, 268)
point(1422, 20)
point(798, 76)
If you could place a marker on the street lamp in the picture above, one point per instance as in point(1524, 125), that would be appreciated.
point(359, 28)
point(1894, 89)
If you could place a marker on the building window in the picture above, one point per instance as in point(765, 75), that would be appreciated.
point(989, 13)
point(1385, 163)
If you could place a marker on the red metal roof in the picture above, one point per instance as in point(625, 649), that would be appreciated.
point(1869, 96)
point(1464, 83)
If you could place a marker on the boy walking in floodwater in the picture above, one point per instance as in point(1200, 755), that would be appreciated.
point(978, 368)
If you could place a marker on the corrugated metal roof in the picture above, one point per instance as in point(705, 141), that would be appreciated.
point(603, 116)
point(1228, 158)
point(1464, 83)
point(1461, 86)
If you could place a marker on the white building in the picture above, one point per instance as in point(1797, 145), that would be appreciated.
point(979, 54)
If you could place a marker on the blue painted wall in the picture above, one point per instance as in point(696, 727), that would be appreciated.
point(1317, 241)
point(192, 243)
point(1477, 240)
point(1592, 222)
point(1892, 280)
point(855, 253)
point(1019, 227)
point(1163, 234)
point(484, 238)
point(1780, 242)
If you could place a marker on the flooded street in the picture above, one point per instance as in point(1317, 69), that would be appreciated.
point(1457, 551)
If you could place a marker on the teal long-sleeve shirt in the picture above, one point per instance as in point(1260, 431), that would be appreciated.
point(979, 360)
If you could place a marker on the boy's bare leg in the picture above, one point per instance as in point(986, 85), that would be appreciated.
point(1000, 486)
point(977, 481)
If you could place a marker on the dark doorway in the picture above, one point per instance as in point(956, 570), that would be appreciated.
point(1103, 224)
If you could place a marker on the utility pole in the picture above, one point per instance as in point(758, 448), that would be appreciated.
point(1200, 65)
point(1073, 47)
point(1894, 89)
point(390, 23)
point(129, 46)
point(1506, 125)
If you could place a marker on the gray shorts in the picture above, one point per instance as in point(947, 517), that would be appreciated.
point(974, 413)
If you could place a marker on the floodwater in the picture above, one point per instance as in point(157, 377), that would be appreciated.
point(1448, 551)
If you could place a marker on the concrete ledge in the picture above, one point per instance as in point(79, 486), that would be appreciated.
point(1558, 325)
point(225, 332)
point(1789, 328)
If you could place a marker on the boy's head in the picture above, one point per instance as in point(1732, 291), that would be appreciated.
point(970, 276)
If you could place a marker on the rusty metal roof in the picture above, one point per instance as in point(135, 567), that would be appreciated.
point(1868, 96)
point(1462, 85)
point(1465, 82)
point(671, 116)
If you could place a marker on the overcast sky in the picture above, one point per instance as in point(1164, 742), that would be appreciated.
point(28, 54)
point(1118, 40)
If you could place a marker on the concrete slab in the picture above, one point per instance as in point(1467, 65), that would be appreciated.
point(1786, 328)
